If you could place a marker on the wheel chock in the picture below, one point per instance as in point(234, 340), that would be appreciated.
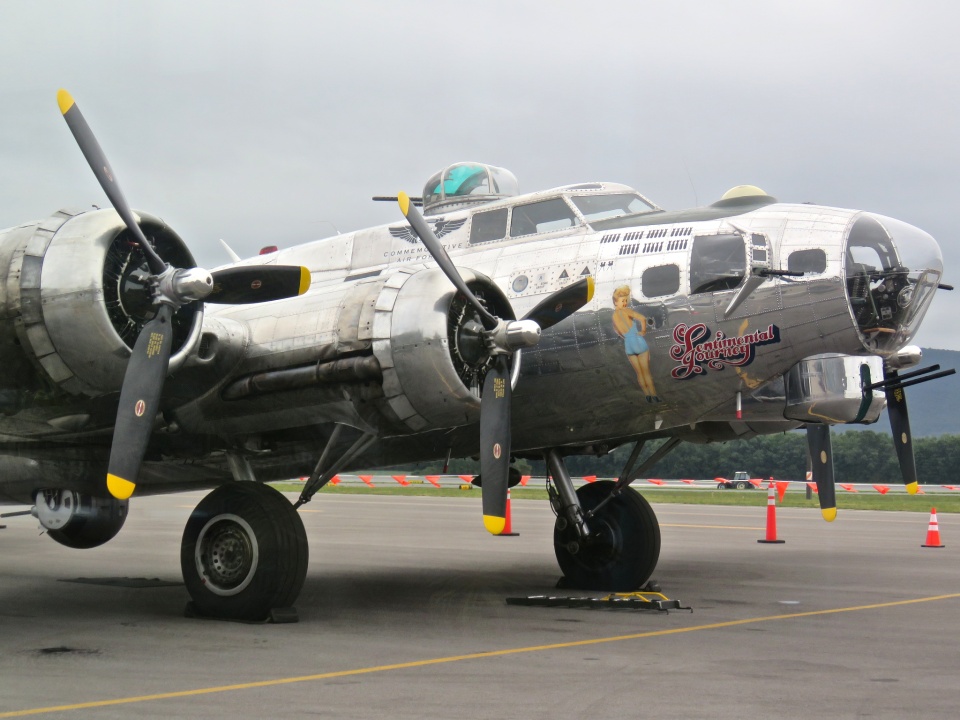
point(614, 601)
point(283, 615)
point(276, 616)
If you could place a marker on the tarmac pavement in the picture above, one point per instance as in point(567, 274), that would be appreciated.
point(403, 615)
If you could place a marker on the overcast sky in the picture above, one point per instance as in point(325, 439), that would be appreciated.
point(275, 123)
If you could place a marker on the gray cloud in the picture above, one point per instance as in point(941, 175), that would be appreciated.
point(271, 123)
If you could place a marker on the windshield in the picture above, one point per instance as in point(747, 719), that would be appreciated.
point(601, 207)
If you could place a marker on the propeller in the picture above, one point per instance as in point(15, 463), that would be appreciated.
point(495, 444)
point(172, 288)
point(501, 338)
point(900, 427)
point(893, 384)
point(820, 448)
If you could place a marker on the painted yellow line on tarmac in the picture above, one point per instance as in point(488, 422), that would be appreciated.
point(460, 658)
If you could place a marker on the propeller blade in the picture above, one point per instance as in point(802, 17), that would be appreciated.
point(900, 426)
point(105, 176)
point(258, 283)
point(495, 443)
point(820, 448)
point(139, 403)
point(564, 302)
point(433, 245)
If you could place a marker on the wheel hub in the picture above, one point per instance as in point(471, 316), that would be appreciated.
point(226, 554)
point(603, 544)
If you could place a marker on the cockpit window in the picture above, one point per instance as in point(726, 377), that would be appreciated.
point(489, 225)
point(717, 262)
point(601, 207)
point(542, 216)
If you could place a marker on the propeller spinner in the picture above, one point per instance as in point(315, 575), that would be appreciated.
point(501, 338)
point(171, 288)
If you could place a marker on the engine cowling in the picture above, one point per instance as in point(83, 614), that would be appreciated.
point(426, 338)
point(76, 290)
point(77, 520)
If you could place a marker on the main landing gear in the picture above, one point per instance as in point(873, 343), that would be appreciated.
point(244, 553)
point(606, 536)
point(244, 550)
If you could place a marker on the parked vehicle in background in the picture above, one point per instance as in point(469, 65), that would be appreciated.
point(741, 481)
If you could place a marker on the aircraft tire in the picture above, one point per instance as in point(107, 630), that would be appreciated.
point(626, 554)
point(244, 552)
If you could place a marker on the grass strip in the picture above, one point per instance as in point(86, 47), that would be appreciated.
point(749, 498)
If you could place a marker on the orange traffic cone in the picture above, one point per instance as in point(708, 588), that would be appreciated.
point(771, 516)
point(508, 525)
point(933, 531)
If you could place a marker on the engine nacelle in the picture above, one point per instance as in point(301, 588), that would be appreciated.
point(829, 388)
point(426, 339)
point(75, 289)
point(79, 521)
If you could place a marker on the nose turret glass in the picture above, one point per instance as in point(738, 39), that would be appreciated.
point(892, 270)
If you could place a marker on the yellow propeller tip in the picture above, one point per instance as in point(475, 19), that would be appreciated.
point(64, 100)
point(494, 524)
point(404, 201)
point(121, 489)
point(829, 514)
point(591, 285)
point(304, 280)
point(912, 488)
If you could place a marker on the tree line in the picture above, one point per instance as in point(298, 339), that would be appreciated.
point(858, 457)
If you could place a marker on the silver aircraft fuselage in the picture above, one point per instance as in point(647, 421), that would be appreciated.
point(580, 386)
point(746, 302)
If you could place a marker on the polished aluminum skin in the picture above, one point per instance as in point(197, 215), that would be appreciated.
point(380, 344)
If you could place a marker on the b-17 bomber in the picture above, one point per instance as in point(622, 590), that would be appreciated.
point(481, 323)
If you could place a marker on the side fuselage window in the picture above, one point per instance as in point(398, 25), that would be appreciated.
point(542, 216)
point(490, 225)
point(717, 262)
point(660, 280)
point(807, 261)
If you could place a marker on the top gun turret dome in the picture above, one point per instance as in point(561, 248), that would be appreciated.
point(467, 183)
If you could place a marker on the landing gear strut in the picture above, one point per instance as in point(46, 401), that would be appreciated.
point(606, 536)
point(244, 552)
point(623, 547)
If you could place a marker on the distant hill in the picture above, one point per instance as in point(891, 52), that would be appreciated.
point(934, 406)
